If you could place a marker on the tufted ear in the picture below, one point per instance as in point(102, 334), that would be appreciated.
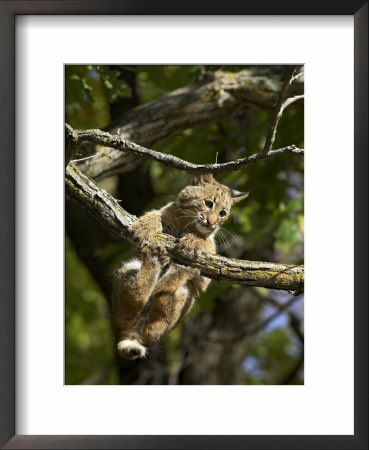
point(237, 195)
point(203, 179)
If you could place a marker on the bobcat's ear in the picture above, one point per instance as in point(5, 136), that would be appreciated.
point(203, 179)
point(237, 195)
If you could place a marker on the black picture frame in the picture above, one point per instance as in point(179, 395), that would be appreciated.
point(8, 11)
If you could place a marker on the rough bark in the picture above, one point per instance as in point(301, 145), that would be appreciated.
point(71, 144)
point(107, 210)
point(221, 95)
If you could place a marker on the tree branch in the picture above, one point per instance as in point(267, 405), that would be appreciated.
point(281, 308)
point(107, 210)
point(71, 143)
point(221, 95)
point(124, 145)
point(278, 110)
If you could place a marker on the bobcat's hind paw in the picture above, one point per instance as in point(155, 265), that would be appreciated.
point(131, 349)
point(157, 254)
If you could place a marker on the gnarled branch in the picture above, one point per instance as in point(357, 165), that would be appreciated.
point(222, 95)
point(107, 210)
point(124, 145)
point(71, 143)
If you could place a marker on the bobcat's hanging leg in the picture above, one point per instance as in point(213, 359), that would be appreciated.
point(133, 284)
point(172, 298)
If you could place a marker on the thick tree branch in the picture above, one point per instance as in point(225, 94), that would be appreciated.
point(107, 210)
point(124, 145)
point(71, 144)
point(222, 95)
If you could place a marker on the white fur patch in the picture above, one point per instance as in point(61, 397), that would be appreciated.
point(130, 346)
point(133, 264)
point(183, 290)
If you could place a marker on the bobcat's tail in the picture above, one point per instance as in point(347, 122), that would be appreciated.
point(131, 349)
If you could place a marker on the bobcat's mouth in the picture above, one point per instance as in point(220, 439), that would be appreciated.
point(205, 227)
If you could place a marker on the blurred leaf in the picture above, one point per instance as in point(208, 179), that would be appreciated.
point(114, 85)
point(273, 357)
point(88, 333)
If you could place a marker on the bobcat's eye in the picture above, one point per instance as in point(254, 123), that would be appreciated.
point(222, 213)
point(209, 203)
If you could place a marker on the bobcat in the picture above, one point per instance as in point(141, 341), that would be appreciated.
point(152, 293)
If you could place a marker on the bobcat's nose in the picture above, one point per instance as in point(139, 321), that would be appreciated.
point(210, 222)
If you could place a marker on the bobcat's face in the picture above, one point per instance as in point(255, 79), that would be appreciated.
point(205, 205)
point(214, 210)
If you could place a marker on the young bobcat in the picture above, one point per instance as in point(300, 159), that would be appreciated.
point(152, 293)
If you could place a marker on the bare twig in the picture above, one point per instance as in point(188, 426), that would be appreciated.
point(124, 145)
point(84, 159)
point(291, 100)
point(277, 113)
point(297, 76)
point(108, 211)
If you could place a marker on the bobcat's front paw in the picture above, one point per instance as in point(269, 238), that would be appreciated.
point(189, 246)
point(145, 229)
point(142, 236)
